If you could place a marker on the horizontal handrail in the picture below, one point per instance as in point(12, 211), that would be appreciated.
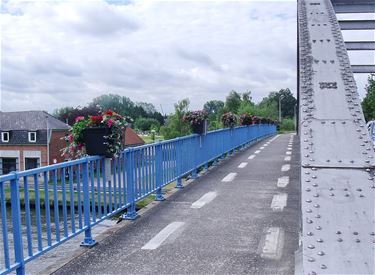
point(71, 197)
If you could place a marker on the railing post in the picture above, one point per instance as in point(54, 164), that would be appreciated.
point(88, 240)
point(131, 213)
point(16, 221)
point(178, 164)
point(159, 172)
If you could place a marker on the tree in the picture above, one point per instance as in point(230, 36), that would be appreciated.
point(271, 103)
point(368, 103)
point(233, 102)
point(213, 106)
point(175, 127)
point(146, 124)
point(69, 114)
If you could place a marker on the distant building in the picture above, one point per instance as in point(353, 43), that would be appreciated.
point(23, 140)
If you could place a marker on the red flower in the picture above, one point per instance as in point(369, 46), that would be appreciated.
point(110, 121)
point(96, 120)
point(79, 146)
point(109, 112)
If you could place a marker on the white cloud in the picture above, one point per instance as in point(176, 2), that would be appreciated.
point(58, 53)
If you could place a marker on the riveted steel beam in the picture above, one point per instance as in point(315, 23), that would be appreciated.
point(337, 157)
point(357, 24)
point(363, 69)
point(360, 45)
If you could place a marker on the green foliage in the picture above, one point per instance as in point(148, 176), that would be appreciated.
point(146, 124)
point(175, 126)
point(287, 124)
point(368, 103)
point(233, 102)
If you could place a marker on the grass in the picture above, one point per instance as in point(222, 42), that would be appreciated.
point(148, 140)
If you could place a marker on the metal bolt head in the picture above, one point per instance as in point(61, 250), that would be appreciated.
point(321, 253)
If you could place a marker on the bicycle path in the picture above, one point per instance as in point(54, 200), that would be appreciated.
point(242, 217)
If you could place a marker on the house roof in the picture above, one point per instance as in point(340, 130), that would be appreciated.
point(132, 139)
point(30, 120)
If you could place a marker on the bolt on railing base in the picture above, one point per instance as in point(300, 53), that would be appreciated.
point(179, 184)
point(88, 242)
point(130, 216)
point(159, 197)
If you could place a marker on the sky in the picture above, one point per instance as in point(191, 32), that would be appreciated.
point(65, 53)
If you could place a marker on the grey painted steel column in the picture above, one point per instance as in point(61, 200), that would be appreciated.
point(337, 159)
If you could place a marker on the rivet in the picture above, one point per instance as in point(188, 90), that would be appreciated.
point(321, 253)
point(318, 228)
point(308, 211)
point(331, 194)
point(308, 201)
point(338, 232)
point(372, 233)
point(357, 240)
point(319, 240)
point(347, 195)
point(317, 216)
point(307, 189)
point(355, 233)
point(316, 205)
point(309, 221)
point(310, 233)
point(330, 189)
point(339, 240)
point(311, 260)
point(323, 266)
point(316, 195)
point(311, 246)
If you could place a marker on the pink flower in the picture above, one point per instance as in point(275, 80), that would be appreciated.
point(79, 118)
point(110, 121)
point(79, 146)
point(71, 149)
point(71, 138)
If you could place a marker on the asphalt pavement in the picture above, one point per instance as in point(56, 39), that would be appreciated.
point(241, 217)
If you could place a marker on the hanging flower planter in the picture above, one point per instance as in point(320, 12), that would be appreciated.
point(102, 134)
point(229, 120)
point(246, 119)
point(197, 121)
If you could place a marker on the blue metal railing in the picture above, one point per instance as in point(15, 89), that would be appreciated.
point(44, 207)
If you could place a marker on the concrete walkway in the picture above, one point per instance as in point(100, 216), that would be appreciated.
point(242, 217)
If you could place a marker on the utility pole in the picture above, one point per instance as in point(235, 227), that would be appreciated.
point(280, 97)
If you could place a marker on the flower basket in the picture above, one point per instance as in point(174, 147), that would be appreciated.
point(197, 121)
point(246, 119)
point(102, 134)
point(255, 120)
point(229, 120)
point(199, 128)
point(97, 141)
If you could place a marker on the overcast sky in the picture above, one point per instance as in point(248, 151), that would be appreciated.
point(65, 53)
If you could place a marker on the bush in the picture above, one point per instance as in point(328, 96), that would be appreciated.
point(287, 124)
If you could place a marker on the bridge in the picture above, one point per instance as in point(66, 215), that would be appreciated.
point(254, 202)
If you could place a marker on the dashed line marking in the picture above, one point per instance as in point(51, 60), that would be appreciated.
point(261, 148)
point(257, 152)
point(251, 157)
point(229, 177)
point(283, 182)
point(285, 167)
point(156, 241)
point(288, 152)
point(242, 165)
point(205, 199)
point(287, 158)
point(272, 243)
point(279, 202)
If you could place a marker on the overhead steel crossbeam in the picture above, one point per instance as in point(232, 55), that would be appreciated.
point(337, 158)
point(357, 6)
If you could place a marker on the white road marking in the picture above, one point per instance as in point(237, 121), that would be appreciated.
point(251, 157)
point(261, 148)
point(229, 177)
point(287, 158)
point(290, 148)
point(285, 167)
point(205, 199)
point(283, 182)
point(272, 243)
point(257, 152)
point(156, 241)
point(279, 202)
point(265, 145)
point(242, 165)
point(288, 152)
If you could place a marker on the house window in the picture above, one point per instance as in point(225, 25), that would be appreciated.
point(32, 136)
point(5, 136)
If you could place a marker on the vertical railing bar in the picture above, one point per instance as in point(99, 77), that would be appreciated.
point(114, 178)
point(110, 193)
point(17, 225)
point(56, 206)
point(27, 216)
point(124, 176)
point(47, 209)
point(63, 190)
point(98, 189)
point(72, 203)
point(4, 225)
point(92, 181)
point(37, 212)
point(79, 198)
point(141, 172)
point(104, 188)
